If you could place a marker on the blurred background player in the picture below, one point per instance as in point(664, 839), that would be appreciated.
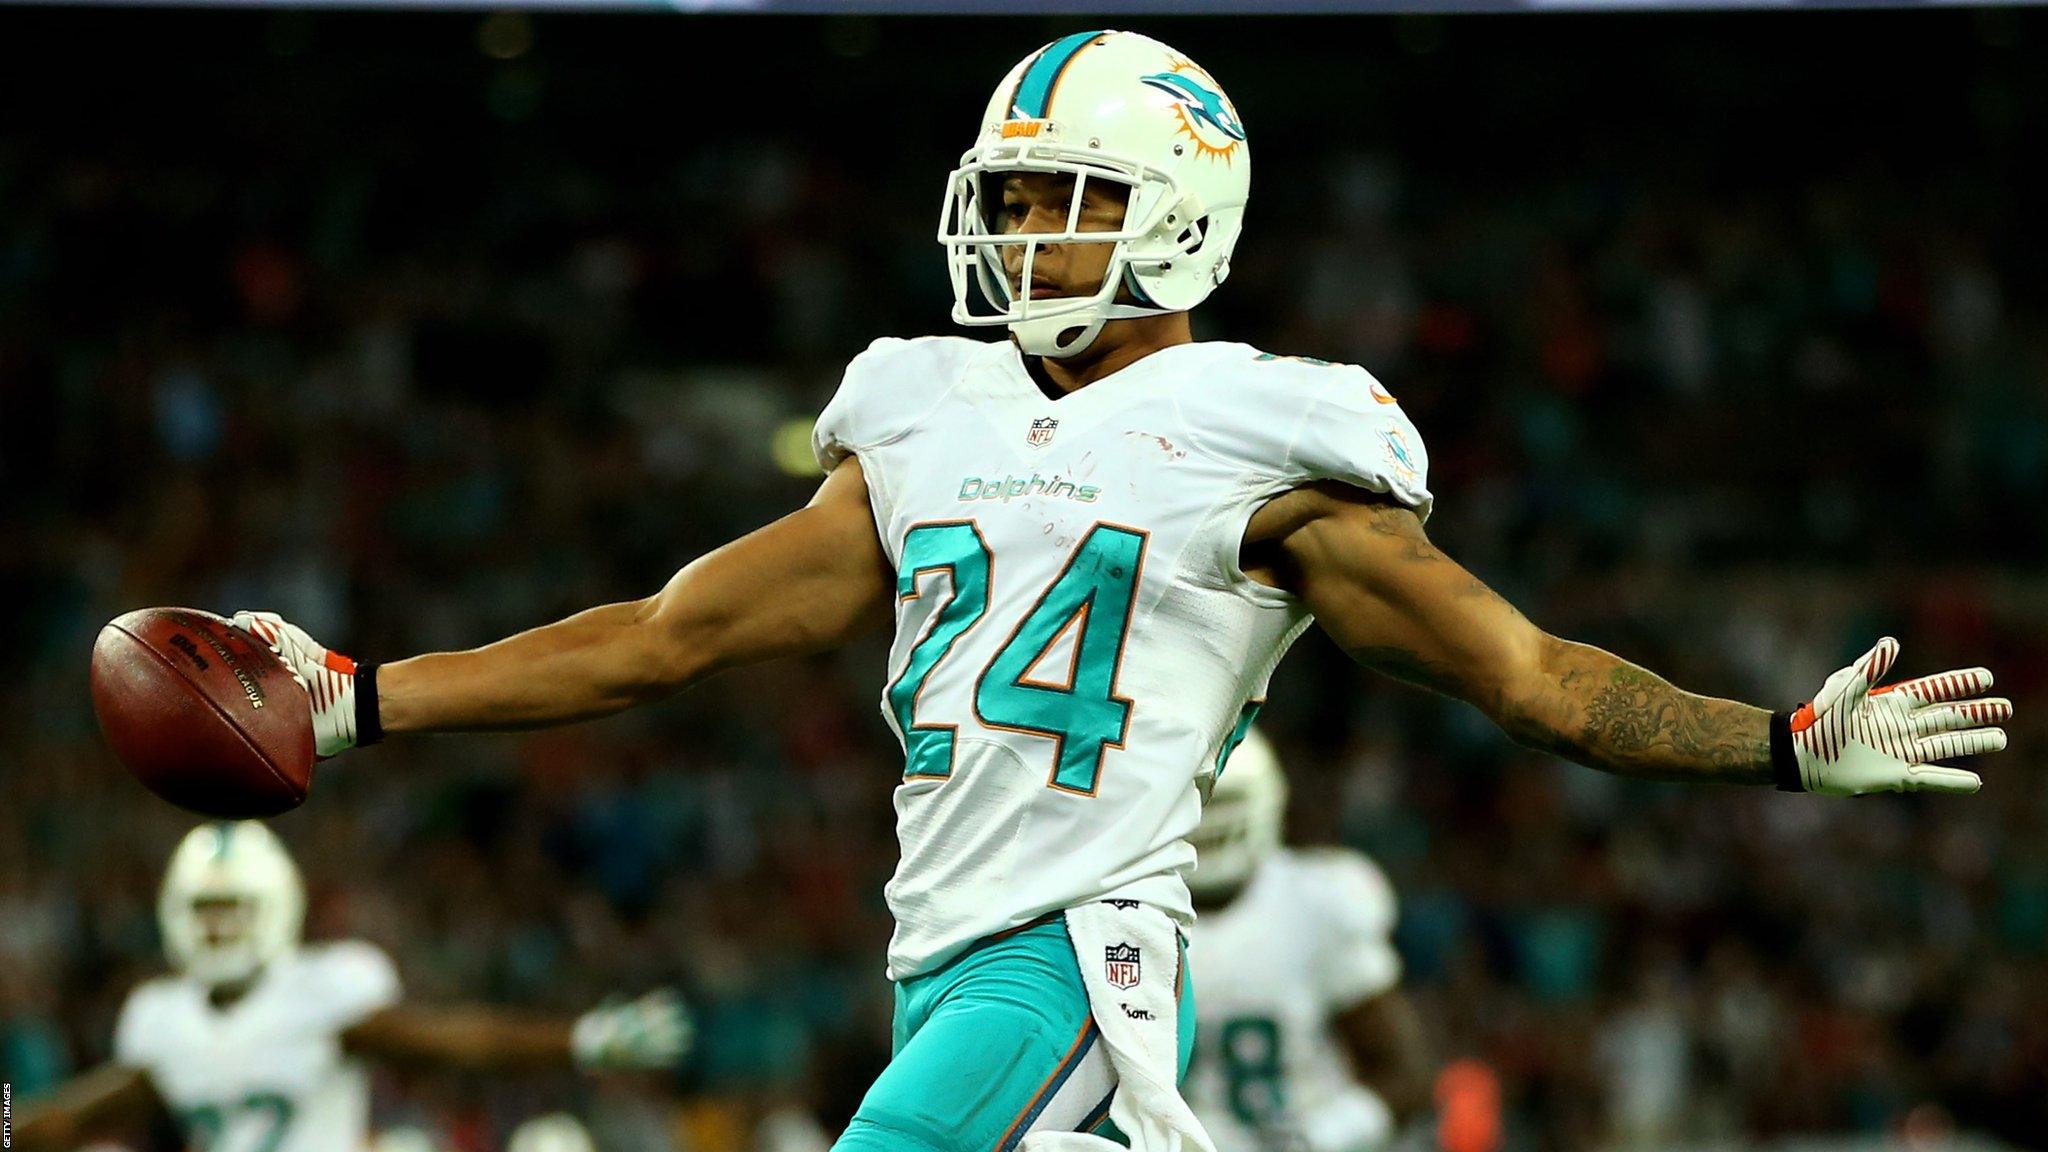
point(256, 1044)
point(551, 1132)
point(547, 1132)
point(1304, 1042)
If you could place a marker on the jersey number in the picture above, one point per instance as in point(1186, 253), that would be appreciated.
point(1091, 600)
point(204, 1123)
point(1249, 1051)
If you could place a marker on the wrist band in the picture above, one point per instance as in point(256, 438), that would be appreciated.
point(1784, 760)
point(369, 727)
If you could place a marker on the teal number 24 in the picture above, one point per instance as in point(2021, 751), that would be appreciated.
point(957, 549)
point(1092, 598)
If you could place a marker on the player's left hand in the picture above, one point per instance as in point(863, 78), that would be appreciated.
point(328, 677)
point(651, 1032)
point(1856, 737)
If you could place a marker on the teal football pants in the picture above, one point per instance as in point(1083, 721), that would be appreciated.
point(996, 1044)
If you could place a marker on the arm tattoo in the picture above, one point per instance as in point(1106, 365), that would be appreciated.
point(1608, 713)
point(1626, 715)
point(1400, 523)
point(1577, 701)
point(1402, 664)
point(1407, 667)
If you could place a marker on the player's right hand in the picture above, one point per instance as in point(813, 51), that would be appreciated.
point(1855, 737)
point(329, 678)
point(651, 1032)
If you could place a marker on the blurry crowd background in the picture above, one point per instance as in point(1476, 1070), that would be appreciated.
point(1728, 336)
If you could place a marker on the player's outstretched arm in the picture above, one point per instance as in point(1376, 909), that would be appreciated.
point(651, 1032)
point(1397, 604)
point(104, 1100)
point(808, 582)
point(1390, 1051)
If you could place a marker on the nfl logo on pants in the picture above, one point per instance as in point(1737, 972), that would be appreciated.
point(1120, 965)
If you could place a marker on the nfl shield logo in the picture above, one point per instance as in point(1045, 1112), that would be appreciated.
point(1120, 965)
point(1041, 431)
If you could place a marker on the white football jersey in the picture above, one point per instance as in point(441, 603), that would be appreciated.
point(1309, 937)
point(1075, 643)
point(267, 1073)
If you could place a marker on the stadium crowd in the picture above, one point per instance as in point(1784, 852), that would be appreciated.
point(452, 357)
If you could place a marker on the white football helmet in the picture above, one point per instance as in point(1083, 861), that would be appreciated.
point(405, 1138)
point(231, 902)
point(553, 1132)
point(1242, 821)
point(1112, 106)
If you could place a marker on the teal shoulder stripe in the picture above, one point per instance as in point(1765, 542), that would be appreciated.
point(1034, 89)
point(1238, 732)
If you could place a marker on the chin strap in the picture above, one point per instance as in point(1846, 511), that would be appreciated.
point(1072, 333)
point(1043, 336)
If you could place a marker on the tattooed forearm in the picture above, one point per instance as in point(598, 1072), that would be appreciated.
point(1402, 607)
point(1600, 710)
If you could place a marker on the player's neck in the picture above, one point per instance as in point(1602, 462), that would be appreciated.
point(1121, 344)
point(226, 996)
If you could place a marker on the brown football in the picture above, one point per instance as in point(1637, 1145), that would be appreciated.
point(203, 713)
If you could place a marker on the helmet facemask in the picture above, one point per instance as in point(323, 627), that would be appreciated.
point(1160, 224)
point(1224, 851)
point(222, 944)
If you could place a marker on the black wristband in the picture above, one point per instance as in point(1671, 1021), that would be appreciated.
point(1784, 761)
point(369, 727)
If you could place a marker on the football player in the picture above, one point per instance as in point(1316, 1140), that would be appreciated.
point(256, 1043)
point(1093, 541)
point(551, 1132)
point(1305, 1042)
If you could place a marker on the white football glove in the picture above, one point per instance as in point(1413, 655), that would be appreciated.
point(329, 679)
point(651, 1032)
point(1855, 737)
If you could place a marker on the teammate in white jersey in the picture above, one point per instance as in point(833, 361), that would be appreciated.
point(258, 1044)
point(1094, 540)
point(1306, 1043)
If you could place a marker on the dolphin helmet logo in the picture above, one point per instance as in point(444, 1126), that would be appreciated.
point(1398, 453)
point(1199, 107)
